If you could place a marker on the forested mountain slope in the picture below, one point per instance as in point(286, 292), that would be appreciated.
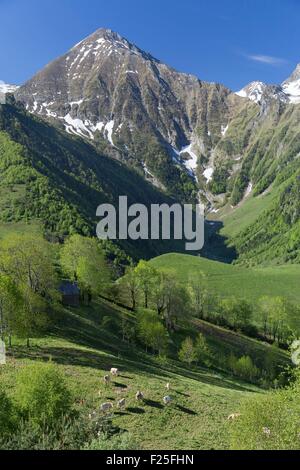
point(61, 180)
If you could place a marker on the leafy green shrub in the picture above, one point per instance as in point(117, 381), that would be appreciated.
point(68, 433)
point(151, 331)
point(187, 352)
point(243, 367)
point(122, 441)
point(202, 350)
point(270, 422)
point(42, 394)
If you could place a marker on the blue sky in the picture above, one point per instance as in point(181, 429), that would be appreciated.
point(228, 41)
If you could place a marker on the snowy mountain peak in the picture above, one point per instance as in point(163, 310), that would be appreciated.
point(291, 86)
point(295, 75)
point(288, 92)
point(254, 91)
point(107, 42)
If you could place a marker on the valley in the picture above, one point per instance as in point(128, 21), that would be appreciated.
point(136, 344)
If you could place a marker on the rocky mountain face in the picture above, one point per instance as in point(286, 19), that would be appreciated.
point(134, 107)
point(186, 136)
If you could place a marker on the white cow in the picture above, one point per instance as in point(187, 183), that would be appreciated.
point(139, 396)
point(114, 372)
point(106, 379)
point(93, 415)
point(122, 403)
point(233, 416)
point(167, 400)
point(106, 407)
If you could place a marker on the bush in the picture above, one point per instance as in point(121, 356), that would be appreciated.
point(122, 441)
point(7, 414)
point(187, 352)
point(268, 422)
point(243, 368)
point(151, 331)
point(68, 433)
point(42, 394)
point(202, 350)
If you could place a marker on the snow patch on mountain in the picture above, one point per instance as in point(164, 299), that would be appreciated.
point(109, 129)
point(208, 174)
point(76, 126)
point(249, 190)
point(254, 91)
point(224, 129)
point(6, 88)
point(191, 163)
point(292, 90)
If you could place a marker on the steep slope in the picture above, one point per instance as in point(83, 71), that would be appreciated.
point(275, 235)
point(183, 133)
point(186, 136)
point(60, 180)
point(133, 106)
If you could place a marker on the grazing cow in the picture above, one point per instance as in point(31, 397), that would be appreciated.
point(139, 396)
point(233, 416)
point(106, 379)
point(168, 386)
point(106, 407)
point(114, 372)
point(267, 431)
point(93, 415)
point(122, 403)
point(167, 400)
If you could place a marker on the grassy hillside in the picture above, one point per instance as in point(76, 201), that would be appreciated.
point(263, 227)
point(85, 349)
point(238, 218)
point(230, 280)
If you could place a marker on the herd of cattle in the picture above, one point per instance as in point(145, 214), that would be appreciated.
point(139, 396)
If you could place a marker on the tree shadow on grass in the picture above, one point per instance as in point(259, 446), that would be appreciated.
point(153, 404)
point(99, 360)
point(216, 245)
point(83, 328)
point(136, 410)
point(65, 356)
point(186, 410)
